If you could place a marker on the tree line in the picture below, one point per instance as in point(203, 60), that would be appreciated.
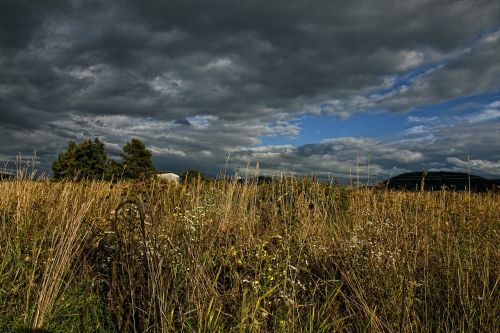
point(89, 159)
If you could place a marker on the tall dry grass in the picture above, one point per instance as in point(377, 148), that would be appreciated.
point(289, 256)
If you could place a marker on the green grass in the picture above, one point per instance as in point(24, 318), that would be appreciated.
point(289, 256)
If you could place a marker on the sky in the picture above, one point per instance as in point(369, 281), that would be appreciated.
point(307, 87)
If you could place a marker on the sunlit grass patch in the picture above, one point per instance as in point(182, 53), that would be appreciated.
point(285, 256)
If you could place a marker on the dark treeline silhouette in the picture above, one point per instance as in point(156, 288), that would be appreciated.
point(256, 180)
point(89, 160)
point(192, 175)
point(6, 175)
point(433, 181)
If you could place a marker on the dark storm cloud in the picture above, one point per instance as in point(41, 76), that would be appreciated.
point(473, 70)
point(20, 19)
point(250, 66)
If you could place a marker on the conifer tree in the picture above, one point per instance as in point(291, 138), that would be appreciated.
point(88, 159)
point(137, 160)
point(64, 165)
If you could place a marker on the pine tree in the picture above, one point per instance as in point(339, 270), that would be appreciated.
point(64, 165)
point(137, 160)
point(88, 159)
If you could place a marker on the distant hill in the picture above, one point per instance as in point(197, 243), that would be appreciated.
point(433, 181)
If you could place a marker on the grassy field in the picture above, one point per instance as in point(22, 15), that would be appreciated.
point(289, 256)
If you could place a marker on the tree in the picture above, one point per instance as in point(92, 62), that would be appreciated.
point(85, 160)
point(137, 161)
point(64, 165)
point(89, 160)
point(115, 169)
point(192, 175)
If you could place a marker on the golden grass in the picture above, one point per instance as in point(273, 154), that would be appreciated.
point(288, 256)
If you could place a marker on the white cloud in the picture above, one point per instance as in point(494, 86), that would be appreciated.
point(417, 130)
point(405, 156)
point(220, 63)
point(167, 151)
point(168, 84)
point(495, 105)
point(201, 121)
point(415, 119)
point(409, 59)
point(491, 37)
point(485, 115)
point(492, 167)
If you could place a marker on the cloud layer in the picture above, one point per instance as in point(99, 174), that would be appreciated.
point(200, 80)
